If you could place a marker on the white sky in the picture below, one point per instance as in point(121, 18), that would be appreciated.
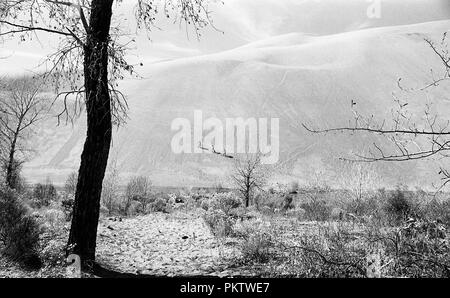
point(242, 21)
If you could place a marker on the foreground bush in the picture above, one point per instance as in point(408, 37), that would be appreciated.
point(258, 241)
point(418, 249)
point(438, 210)
point(19, 231)
point(219, 223)
point(54, 219)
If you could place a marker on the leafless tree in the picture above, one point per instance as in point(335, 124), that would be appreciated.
point(360, 179)
point(91, 59)
point(248, 176)
point(111, 186)
point(70, 186)
point(409, 138)
point(21, 107)
point(139, 189)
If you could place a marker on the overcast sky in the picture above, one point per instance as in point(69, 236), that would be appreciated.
point(243, 21)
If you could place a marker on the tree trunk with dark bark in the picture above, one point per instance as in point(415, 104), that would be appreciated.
point(83, 232)
point(11, 174)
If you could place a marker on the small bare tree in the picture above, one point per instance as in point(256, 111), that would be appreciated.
point(111, 187)
point(70, 186)
point(248, 176)
point(21, 107)
point(139, 189)
point(359, 178)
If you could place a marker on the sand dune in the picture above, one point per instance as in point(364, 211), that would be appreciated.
point(299, 78)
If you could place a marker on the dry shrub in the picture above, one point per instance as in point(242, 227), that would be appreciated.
point(332, 252)
point(160, 205)
point(316, 210)
point(225, 202)
point(398, 207)
point(54, 250)
point(67, 206)
point(219, 223)
point(271, 201)
point(369, 206)
point(19, 231)
point(44, 194)
point(438, 210)
point(420, 248)
point(53, 219)
point(139, 190)
point(258, 241)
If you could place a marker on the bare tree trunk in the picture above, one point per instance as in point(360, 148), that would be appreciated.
point(247, 191)
point(10, 181)
point(83, 232)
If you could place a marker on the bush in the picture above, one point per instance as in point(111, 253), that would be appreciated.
point(53, 251)
point(329, 253)
point(438, 210)
point(417, 249)
point(366, 206)
point(139, 189)
point(19, 231)
point(421, 249)
point(205, 205)
point(288, 202)
point(283, 201)
point(160, 205)
point(258, 242)
point(398, 207)
point(316, 210)
point(338, 214)
point(225, 202)
point(54, 219)
point(134, 208)
point(270, 199)
point(219, 223)
point(298, 213)
point(44, 194)
point(67, 206)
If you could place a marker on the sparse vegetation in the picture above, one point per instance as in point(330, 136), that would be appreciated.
point(19, 231)
point(139, 190)
point(44, 194)
point(248, 177)
point(219, 222)
point(308, 233)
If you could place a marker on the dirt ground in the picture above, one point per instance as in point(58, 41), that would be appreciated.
point(164, 244)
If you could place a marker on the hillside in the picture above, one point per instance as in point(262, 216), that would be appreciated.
point(296, 77)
